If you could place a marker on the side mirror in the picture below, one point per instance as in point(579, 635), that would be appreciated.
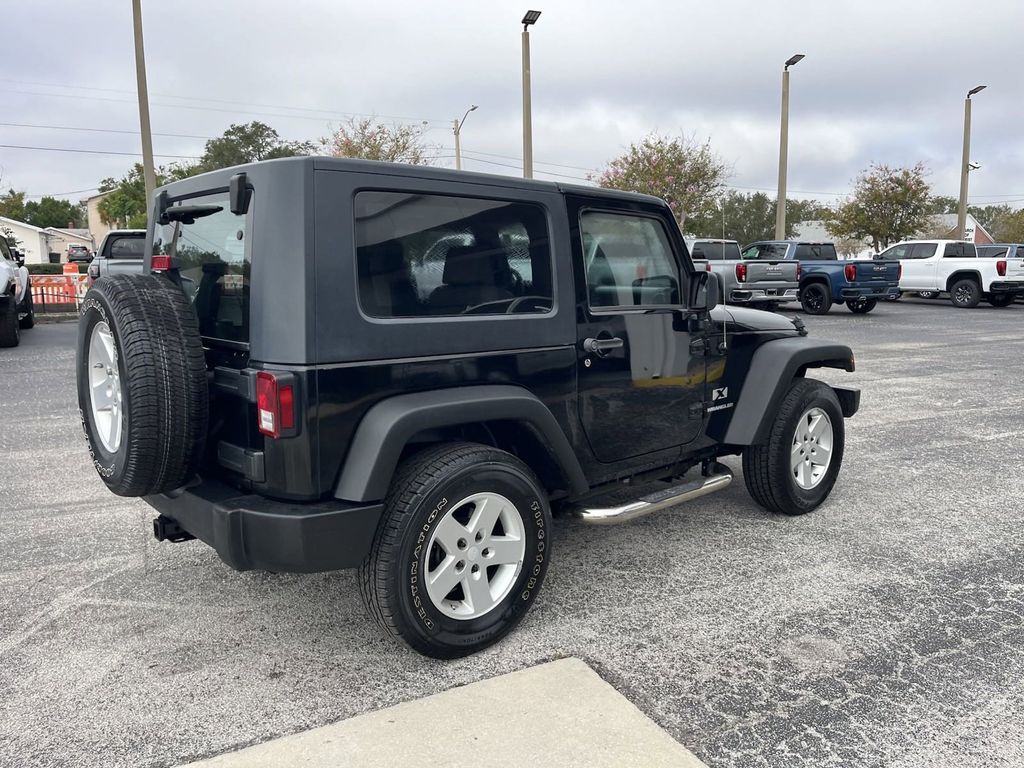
point(705, 292)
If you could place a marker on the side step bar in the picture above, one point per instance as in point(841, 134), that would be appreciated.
point(719, 479)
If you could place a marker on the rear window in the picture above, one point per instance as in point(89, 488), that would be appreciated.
point(993, 251)
point(438, 255)
point(213, 257)
point(127, 247)
point(766, 251)
point(960, 251)
point(816, 252)
point(716, 251)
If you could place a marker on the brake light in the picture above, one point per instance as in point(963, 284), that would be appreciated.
point(161, 262)
point(851, 272)
point(707, 266)
point(275, 405)
point(799, 270)
point(93, 271)
point(741, 273)
point(1001, 268)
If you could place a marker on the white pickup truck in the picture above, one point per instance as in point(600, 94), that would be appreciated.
point(931, 267)
point(15, 296)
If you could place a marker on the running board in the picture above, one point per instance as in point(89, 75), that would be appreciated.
point(677, 494)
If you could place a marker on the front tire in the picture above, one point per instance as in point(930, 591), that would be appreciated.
point(816, 299)
point(965, 294)
point(795, 470)
point(861, 306)
point(461, 550)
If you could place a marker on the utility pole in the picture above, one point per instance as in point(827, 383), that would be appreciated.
point(148, 170)
point(965, 165)
point(530, 18)
point(457, 129)
point(780, 204)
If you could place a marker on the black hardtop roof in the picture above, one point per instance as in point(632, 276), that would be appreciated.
point(220, 177)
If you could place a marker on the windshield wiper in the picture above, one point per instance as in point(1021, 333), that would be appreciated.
point(187, 214)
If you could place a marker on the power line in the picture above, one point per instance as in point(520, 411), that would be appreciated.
point(103, 130)
point(62, 194)
point(94, 152)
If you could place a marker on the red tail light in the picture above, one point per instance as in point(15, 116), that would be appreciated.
point(161, 262)
point(741, 273)
point(275, 405)
point(707, 266)
point(799, 270)
point(1001, 268)
point(851, 273)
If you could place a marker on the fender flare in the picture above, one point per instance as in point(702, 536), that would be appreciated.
point(26, 284)
point(388, 426)
point(965, 274)
point(773, 367)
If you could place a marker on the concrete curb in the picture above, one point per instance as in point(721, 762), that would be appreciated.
point(560, 713)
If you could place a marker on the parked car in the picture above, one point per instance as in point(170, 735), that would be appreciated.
point(16, 310)
point(763, 285)
point(825, 279)
point(931, 267)
point(79, 254)
point(313, 407)
point(120, 252)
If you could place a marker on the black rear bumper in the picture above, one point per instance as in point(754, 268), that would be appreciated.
point(254, 532)
point(1006, 286)
point(888, 292)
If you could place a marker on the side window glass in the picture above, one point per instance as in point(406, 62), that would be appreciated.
point(441, 255)
point(628, 260)
point(898, 252)
point(953, 251)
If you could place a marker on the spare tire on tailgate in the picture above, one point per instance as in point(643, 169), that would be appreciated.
point(142, 386)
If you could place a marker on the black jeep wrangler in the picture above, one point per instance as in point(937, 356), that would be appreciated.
point(334, 363)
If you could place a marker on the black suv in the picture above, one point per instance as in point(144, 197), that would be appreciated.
point(336, 363)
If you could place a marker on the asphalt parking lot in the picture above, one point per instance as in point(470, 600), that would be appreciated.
point(886, 629)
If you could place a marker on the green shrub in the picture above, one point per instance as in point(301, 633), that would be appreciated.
point(48, 269)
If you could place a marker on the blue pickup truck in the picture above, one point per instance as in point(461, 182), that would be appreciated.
point(825, 279)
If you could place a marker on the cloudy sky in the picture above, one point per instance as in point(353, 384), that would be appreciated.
point(882, 82)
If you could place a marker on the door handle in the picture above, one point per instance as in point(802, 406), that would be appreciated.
point(601, 347)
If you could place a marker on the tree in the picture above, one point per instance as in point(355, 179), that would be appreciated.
point(688, 175)
point(51, 212)
point(368, 139)
point(747, 217)
point(12, 205)
point(125, 202)
point(887, 205)
point(247, 143)
point(1008, 226)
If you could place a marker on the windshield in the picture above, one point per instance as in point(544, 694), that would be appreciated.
point(212, 255)
point(715, 251)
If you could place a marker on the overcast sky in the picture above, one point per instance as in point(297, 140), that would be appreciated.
point(882, 82)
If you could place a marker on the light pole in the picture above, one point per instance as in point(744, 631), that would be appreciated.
point(148, 172)
point(780, 205)
point(530, 18)
point(457, 127)
point(965, 165)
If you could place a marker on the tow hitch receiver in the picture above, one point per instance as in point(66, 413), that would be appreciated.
point(167, 529)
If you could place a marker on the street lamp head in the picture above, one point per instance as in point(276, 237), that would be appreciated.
point(472, 108)
point(975, 89)
point(793, 59)
point(530, 18)
point(973, 166)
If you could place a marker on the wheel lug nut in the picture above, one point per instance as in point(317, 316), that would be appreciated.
point(461, 543)
point(476, 569)
point(460, 565)
point(479, 535)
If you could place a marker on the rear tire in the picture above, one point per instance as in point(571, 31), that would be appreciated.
point(816, 299)
point(770, 471)
point(10, 335)
point(142, 390)
point(429, 578)
point(928, 294)
point(965, 293)
point(29, 320)
point(861, 306)
point(1000, 299)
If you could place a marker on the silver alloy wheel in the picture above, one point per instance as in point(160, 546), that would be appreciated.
point(105, 388)
point(812, 448)
point(475, 556)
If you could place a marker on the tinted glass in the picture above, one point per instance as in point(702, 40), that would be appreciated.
point(921, 251)
point(766, 251)
point(716, 251)
point(960, 250)
point(993, 251)
point(629, 261)
point(212, 254)
point(816, 252)
point(127, 247)
point(421, 255)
